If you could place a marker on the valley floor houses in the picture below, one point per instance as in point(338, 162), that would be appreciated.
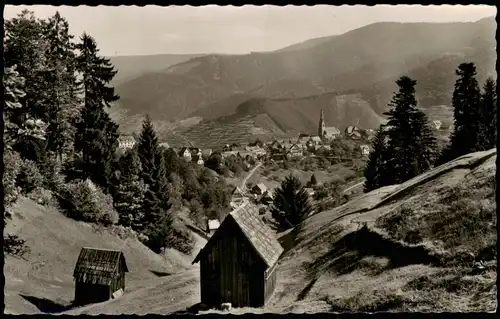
point(275, 149)
point(238, 263)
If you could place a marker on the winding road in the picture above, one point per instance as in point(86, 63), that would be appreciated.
point(244, 182)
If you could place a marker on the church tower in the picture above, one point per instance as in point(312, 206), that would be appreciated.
point(321, 126)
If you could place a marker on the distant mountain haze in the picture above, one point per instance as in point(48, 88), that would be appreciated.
point(130, 67)
point(362, 63)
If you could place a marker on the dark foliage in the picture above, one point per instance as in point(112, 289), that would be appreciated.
point(466, 103)
point(97, 135)
point(375, 168)
point(291, 204)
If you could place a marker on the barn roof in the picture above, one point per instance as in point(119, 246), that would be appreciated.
point(258, 234)
point(261, 186)
point(98, 266)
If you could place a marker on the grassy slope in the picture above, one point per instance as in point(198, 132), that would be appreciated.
point(45, 276)
point(332, 263)
point(333, 266)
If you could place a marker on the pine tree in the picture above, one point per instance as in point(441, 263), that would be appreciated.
point(128, 198)
point(156, 201)
point(411, 144)
point(61, 97)
point(375, 173)
point(291, 204)
point(313, 180)
point(148, 149)
point(425, 144)
point(488, 116)
point(96, 136)
point(24, 48)
point(466, 101)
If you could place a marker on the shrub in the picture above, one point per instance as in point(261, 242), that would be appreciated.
point(15, 246)
point(12, 165)
point(399, 224)
point(168, 234)
point(43, 197)
point(326, 205)
point(51, 170)
point(320, 193)
point(237, 169)
point(124, 232)
point(88, 203)
point(180, 239)
point(226, 172)
point(29, 177)
point(196, 212)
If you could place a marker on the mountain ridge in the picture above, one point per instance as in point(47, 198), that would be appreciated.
point(192, 87)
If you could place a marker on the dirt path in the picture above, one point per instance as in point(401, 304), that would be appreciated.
point(353, 186)
point(244, 182)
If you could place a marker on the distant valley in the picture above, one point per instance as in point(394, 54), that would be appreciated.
point(351, 76)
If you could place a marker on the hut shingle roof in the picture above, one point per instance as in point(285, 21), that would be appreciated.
point(259, 235)
point(98, 266)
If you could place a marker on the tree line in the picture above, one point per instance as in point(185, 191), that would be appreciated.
point(405, 146)
point(58, 135)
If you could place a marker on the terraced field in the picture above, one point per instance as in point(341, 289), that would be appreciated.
point(214, 134)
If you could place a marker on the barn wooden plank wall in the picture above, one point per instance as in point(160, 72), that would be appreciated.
point(238, 264)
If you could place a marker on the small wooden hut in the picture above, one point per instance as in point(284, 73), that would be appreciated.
point(238, 263)
point(99, 275)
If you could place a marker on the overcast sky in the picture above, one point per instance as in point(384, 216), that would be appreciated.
point(216, 29)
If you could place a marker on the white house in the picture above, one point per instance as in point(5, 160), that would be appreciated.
point(165, 145)
point(331, 133)
point(212, 226)
point(259, 189)
point(365, 150)
point(198, 159)
point(207, 152)
point(352, 132)
point(229, 153)
point(258, 151)
point(437, 124)
point(315, 140)
point(295, 151)
point(303, 139)
point(185, 153)
point(125, 142)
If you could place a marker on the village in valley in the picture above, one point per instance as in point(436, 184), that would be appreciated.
point(249, 183)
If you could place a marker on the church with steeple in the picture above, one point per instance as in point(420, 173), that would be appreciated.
point(324, 132)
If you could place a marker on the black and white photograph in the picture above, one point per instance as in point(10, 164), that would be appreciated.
point(249, 159)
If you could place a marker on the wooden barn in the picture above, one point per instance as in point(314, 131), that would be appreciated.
point(99, 275)
point(238, 263)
